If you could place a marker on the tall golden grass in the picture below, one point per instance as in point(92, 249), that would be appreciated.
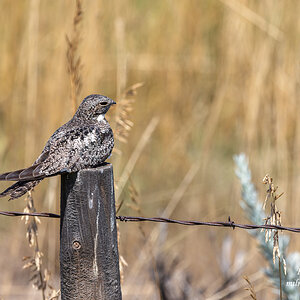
point(220, 77)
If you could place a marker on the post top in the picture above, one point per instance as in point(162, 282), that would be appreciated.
point(103, 167)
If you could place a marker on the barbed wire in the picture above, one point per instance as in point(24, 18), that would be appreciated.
point(35, 214)
point(229, 223)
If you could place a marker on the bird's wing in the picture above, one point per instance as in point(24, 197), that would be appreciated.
point(23, 174)
point(69, 149)
point(26, 174)
point(60, 154)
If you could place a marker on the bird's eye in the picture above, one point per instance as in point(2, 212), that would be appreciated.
point(103, 103)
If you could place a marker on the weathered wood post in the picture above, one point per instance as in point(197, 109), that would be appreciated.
point(89, 259)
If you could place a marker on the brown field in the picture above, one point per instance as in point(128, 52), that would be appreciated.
point(220, 77)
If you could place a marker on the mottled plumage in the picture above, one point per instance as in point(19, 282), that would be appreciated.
point(85, 141)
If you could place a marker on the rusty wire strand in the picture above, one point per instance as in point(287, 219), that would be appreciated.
point(229, 223)
point(35, 214)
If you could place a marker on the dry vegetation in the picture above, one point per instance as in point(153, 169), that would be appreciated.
point(220, 77)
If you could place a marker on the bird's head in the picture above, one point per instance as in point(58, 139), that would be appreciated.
point(94, 107)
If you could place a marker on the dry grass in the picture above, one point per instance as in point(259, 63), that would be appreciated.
point(221, 76)
point(39, 275)
point(73, 58)
point(250, 288)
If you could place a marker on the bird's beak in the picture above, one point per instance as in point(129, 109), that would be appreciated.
point(113, 102)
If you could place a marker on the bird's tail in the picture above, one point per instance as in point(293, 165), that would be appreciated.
point(19, 189)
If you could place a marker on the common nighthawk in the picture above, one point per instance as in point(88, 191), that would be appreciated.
point(85, 141)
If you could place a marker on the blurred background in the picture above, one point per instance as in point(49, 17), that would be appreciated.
point(219, 77)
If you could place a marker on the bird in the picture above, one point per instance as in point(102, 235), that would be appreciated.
point(86, 141)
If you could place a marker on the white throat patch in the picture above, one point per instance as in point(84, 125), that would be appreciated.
point(100, 118)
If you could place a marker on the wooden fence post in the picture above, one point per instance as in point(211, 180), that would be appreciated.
point(89, 259)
